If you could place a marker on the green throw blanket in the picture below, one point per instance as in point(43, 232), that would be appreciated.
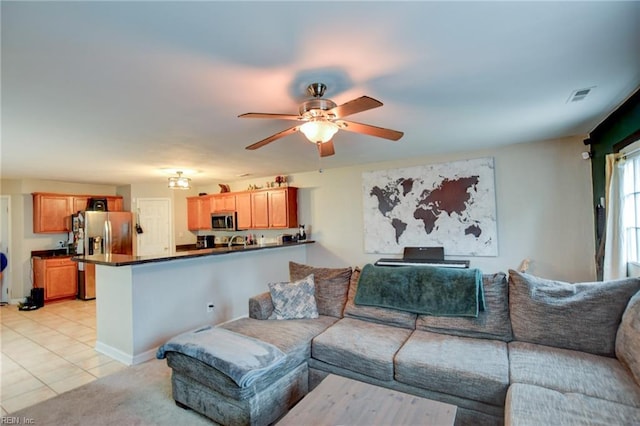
point(422, 289)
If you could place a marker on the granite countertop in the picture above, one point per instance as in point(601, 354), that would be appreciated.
point(47, 254)
point(125, 259)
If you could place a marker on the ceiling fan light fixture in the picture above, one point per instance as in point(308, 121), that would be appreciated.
point(179, 182)
point(319, 130)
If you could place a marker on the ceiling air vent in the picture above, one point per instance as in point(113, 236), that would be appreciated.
point(578, 95)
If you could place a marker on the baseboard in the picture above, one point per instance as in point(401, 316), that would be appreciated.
point(123, 357)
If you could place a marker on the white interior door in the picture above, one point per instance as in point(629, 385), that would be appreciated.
point(154, 216)
point(5, 226)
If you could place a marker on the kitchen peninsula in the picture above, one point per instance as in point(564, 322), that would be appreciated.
point(142, 301)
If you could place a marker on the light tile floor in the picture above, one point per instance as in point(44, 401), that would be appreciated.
point(47, 352)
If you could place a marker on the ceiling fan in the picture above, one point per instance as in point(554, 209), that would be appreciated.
point(323, 118)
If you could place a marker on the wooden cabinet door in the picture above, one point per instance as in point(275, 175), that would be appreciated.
point(198, 213)
point(283, 208)
point(193, 213)
point(223, 203)
point(115, 204)
point(260, 209)
point(58, 277)
point(61, 279)
point(243, 209)
point(80, 203)
point(51, 213)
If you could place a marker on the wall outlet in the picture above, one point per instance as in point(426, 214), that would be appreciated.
point(210, 307)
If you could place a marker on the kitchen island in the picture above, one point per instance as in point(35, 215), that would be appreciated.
point(142, 301)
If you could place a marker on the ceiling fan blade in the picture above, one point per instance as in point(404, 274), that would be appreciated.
point(367, 129)
point(326, 149)
point(272, 138)
point(354, 106)
point(268, 115)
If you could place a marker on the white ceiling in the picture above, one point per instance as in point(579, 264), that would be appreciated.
point(117, 92)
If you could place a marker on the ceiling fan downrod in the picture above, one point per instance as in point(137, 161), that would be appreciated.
point(316, 89)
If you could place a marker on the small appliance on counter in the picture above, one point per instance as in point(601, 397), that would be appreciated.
point(205, 241)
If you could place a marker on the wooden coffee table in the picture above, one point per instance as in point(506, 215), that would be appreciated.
point(341, 401)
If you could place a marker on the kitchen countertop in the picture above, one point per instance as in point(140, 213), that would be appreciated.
point(51, 253)
point(125, 259)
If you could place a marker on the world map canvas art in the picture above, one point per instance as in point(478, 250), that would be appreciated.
point(450, 205)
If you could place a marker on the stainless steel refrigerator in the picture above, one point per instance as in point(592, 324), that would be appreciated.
point(98, 232)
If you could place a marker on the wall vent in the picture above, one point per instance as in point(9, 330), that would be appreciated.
point(580, 94)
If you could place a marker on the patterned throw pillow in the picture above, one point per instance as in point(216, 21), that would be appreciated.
point(332, 285)
point(294, 300)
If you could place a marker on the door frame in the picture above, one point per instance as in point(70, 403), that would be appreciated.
point(7, 275)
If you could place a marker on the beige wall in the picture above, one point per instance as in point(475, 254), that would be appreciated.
point(544, 211)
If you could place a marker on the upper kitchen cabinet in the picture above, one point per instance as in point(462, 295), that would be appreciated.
point(51, 211)
point(275, 208)
point(243, 209)
point(283, 208)
point(199, 213)
point(260, 210)
point(225, 202)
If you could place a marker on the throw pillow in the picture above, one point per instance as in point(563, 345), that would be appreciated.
point(628, 337)
point(294, 300)
point(581, 316)
point(374, 314)
point(332, 285)
point(492, 323)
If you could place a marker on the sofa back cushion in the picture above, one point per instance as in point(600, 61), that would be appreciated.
point(628, 337)
point(332, 285)
point(581, 316)
point(492, 323)
point(375, 314)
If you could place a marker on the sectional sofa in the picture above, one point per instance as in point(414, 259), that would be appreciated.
point(542, 352)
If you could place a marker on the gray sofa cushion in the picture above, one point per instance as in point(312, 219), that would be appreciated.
point(492, 323)
point(293, 337)
point(570, 371)
point(361, 346)
point(628, 337)
point(582, 316)
point(477, 369)
point(332, 285)
point(375, 314)
point(529, 405)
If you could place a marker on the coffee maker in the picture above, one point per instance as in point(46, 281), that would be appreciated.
point(205, 241)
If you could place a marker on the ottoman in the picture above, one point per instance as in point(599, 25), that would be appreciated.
point(202, 388)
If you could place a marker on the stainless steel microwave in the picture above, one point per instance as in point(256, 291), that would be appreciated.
point(224, 221)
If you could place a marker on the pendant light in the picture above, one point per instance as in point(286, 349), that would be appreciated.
point(179, 182)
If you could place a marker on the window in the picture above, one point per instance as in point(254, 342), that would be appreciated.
point(630, 174)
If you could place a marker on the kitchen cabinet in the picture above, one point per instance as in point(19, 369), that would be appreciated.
point(283, 208)
point(260, 210)
point(243, 209)
point(58, 277)
point(275, 208)
point(80, 203)
point(51, 211)
point(198, 213)
point(223, 203)
point(115, 204)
